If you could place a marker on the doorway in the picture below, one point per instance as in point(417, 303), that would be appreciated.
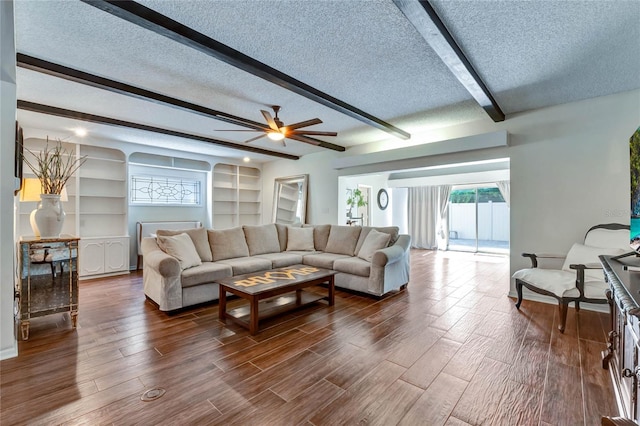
point(478, 220)
point(365, 211)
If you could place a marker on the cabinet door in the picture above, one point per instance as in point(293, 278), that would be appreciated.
point(91, 257)
point(116, 255)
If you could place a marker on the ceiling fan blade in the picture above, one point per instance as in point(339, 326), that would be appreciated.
point(310, 132)
point(243, 130)
point(303, 139)
point(255, 139)
point(270, 120)
point(303, 124)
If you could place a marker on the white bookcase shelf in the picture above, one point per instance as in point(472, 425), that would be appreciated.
point(236, 196)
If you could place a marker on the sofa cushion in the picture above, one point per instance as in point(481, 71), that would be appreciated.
point(280, 260)
point(322, 260)
point(208, 272)
point(343, 239)
point(375, 241)
point(282, 235)
point(247, 265)
point(227, 243)
point(261, 239)
point(582, 254)
point(300, 239)
point(353, 266)
point(199, 238)
point(320, 235)
point(181, 247)
point(393, 231)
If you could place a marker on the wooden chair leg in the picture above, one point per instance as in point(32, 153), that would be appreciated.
point(519, 290)
point(138, 264)
point(577, 306)
point(563, 316)
point(617, 421)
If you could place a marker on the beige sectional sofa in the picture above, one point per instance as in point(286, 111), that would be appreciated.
point(180, 271)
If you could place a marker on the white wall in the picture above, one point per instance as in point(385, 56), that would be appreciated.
point(8, 344)
point(376, 182)
point(569, 170)
point(322, 204)
point(399, 207)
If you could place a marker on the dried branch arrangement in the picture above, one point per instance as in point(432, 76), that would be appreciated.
point(53, 167)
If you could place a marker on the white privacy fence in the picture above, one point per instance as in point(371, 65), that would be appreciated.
point(493, 221)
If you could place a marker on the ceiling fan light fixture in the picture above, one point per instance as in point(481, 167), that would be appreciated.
point(275, 136)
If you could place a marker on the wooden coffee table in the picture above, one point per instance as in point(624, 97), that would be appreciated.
point(266, 285)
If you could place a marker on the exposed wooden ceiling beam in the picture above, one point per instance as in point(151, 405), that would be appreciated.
point(160, 24)
point(76, 115)
point(425, 19)
point(77, 76)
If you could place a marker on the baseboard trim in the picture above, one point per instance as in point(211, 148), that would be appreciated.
point(10, 352)
point(110, 274)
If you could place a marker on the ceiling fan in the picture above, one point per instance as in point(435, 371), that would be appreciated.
point(277, 131)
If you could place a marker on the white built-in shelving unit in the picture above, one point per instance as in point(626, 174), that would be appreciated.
point(236, 196)
point(96, 209)
point(102, 211)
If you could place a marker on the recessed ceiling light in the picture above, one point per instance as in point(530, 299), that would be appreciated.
point(246, 159)
point(80, 132)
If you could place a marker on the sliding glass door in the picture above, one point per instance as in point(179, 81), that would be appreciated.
point(478, 220)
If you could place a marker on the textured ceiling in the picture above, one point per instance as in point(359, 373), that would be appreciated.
point(531, 54)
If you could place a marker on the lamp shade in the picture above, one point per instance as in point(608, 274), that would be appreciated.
point(31, 190)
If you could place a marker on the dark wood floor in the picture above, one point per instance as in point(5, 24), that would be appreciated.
point(451, 349)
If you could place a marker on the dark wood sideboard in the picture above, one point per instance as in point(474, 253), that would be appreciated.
point(621, 357)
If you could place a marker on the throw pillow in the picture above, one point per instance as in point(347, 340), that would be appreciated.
point(343, 239)
point(262, 239)
point(581, 254)
point(320, 235)
point(300, 239)
point(375, 241)
point(227, 243)
point(199, 238)
point(181, 247)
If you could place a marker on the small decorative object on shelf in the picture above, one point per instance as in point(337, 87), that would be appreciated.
point(53, 167)
point(48, 281)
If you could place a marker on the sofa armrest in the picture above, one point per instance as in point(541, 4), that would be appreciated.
point(390, 267)
point(161, 276)
point(393, 253)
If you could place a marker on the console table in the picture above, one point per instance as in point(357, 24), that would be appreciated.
point(41, 290)
point(621, 356)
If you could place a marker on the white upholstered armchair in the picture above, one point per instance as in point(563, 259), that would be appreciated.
point(581, 278)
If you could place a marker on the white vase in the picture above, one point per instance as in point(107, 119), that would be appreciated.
point(49, 216)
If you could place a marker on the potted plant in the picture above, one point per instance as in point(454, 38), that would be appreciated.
point(53, 167)
point(355, 198)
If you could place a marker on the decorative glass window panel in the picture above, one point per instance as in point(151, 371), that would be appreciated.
point(165, 190)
